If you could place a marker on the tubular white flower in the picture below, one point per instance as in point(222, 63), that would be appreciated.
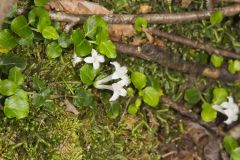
point(230, 109)
point(95, 59)
point(119, 71)
point(76, 60)
point(118, 90)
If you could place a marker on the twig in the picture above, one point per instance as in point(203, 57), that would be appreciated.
point(195, 44)
point(164, 58)
point(151, 18)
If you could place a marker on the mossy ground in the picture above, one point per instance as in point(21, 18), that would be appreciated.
point(52, 133)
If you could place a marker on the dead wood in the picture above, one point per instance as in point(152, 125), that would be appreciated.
point(173, 61)
point(151, 18)
point(194, 44)
point(5, 6)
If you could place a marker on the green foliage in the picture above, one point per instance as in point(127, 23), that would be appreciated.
point(217, 60)
point(8, 87)
point(140, 23)
point(151, 96)
point(20, 26)
point(139, 80)
point(108, 49)
point(7, 41)
point(54, 50)
point(134, 108)
point(40, 3)
point(87, 74)
point(235, 155)
point(113, 110)
point(216, 17)
point(50, 32)
point(84, 98)
point(208, 114)
point(64, 40)
point(192, 96)
point(219, 95)
point(10, 60)
point(16, 75)
point(17, 106)
point(230, 144)
point(234, 66)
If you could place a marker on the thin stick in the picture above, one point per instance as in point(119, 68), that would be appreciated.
point(195, 44)
point(164, 58)
point(151, 18)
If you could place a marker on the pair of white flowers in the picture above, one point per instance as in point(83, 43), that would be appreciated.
point(230, 109)
point(119, 73)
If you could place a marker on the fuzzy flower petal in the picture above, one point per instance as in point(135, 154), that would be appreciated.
point(119, 71)
point(118, 90)
point(95, 59)
point(230, 109)
point(76, 60)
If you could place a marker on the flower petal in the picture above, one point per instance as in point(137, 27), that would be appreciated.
point(114, 97)
point(94, 53)
point(122, 92)
point(116, 65)
point(88, 60)
point(100, 59)
point(96, 65)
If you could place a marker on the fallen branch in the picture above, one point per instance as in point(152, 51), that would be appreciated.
point(166, 59)
point(206, 47)
point(151, 18)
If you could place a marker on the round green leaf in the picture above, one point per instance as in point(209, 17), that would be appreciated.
point(230, 144)
point(64, 40)
point(17, 105)
point(83, 48)
point(151, 96)
point(54, 50)
point(216, 17)
point(11, 60)
point(8, 87)
point(219, 95)
point(192, 96)
point(40, 2)
point(84, 98)
point(208, 114)
point(139, 80)
point(140, 23)
point(133, 109)
point(235, 155)
point(16, 75)
point(77, 36)
point(217, 60)
point(50, 32)
point(20, 26)
point(7, 41)
point(87, 74)
point(108, 49)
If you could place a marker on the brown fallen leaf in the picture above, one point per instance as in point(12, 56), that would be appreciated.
point(118, 31)
point(145, 8)
point(186, 3)
point(77, 7)
point(70, 107)
point(159, 43)
point(148, 35)
point(137, 41)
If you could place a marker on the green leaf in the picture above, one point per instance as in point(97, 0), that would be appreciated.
point(113, 110)
point(235, 155)
point(102, 36)
point(7, 41)
point(39, 17)
point(28, 41)
point(11, 60)
point(230, 144)
point(192, 96)
point(17, 105)
point(92, 24)
point(38, 84)
point(40, 3)
point(216, 17)
point(87, 74)
point(219, 95)
point(84, 98)
point(234, 66)
point(77, 36)
point(20, 26)
point(15, 75)
point(108, 49)
point(8, 87)
point(139, 80)
point(208, 114)
point(40, 99)
point(84, 48)
point(132, 109)
point(151, 96)
point(49, 32)
point(64, 40)
point(217, 60)
point(140, 23)
point(54, 50)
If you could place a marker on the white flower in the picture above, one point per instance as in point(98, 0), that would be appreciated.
point(76, 60)
point(230, 109)
point(95, 59)
point(124, 81)
point(119, 71)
